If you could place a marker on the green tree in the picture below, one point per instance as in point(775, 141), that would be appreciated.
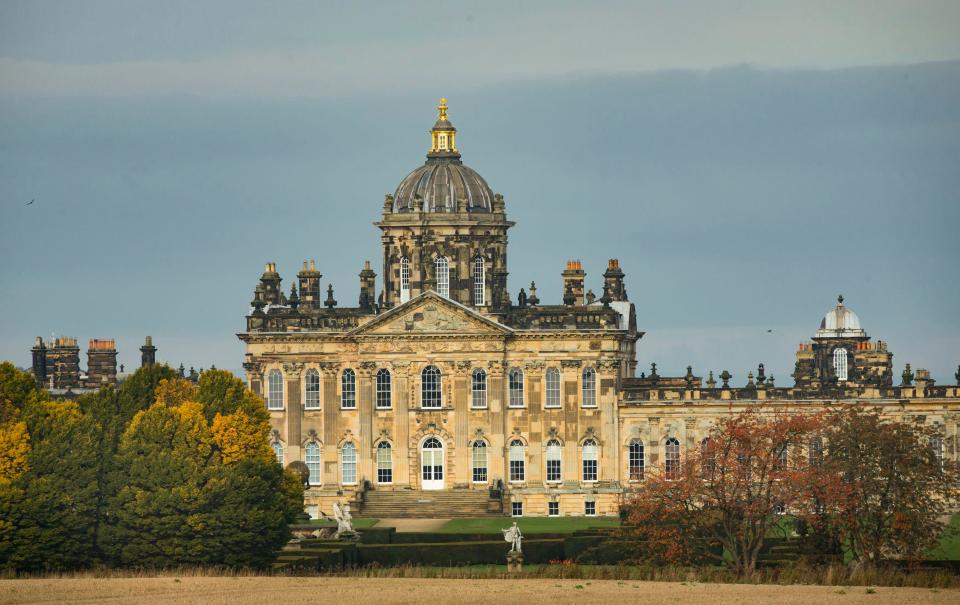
point(16, 386)
point(51, 507)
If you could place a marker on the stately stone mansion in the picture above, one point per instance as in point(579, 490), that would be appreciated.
point(442, 383)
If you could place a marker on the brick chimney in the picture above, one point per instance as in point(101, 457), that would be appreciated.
point(101, 362)
point(573, 278)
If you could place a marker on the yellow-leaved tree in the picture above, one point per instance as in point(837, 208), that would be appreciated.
point(241, 437)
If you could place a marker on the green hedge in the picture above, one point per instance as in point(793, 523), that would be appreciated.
point(457, 553)
point(425, 537)
point(378, 535)
point(575, 546)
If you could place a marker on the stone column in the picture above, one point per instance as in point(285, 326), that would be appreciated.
point(499, 438)
point(293, 410)
point(402, 420)
point(461, 418)
point(331, 412)
point(365, 412)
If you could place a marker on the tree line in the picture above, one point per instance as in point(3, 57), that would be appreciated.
point(155, 472)
point(855, 485)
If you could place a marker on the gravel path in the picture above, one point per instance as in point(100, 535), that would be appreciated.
point(293, 591)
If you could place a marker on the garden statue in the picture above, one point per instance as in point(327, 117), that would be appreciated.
point(513, 536)
point(344, 522)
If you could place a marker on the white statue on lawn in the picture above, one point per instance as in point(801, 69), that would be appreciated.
point(513, 536)
point(344, 520)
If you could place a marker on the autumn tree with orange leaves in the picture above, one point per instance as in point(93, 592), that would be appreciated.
point(723, 500)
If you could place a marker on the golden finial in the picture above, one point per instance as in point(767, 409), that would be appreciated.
point(442, 107)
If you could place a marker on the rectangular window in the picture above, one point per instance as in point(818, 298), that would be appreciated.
point(590, 509)
point(383, 390)
point(517, 509)
point(480, 463)
point(313, 511)
point(553, 509)
point(384, 464)
point(517, 461)
point(313, 463)
point(312, 399)
point(553, 471)
point(553, 388)
point(636, 461)
point(479, 389)
point(348, 390)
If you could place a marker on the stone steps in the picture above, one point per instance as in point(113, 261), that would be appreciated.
point(426, 504)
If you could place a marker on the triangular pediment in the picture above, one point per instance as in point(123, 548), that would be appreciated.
point(430, 313)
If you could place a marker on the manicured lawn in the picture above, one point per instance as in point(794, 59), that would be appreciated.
point(949, 549)
point(527, 525)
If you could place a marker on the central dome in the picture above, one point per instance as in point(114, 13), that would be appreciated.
point(443, 180)
point(840, 322)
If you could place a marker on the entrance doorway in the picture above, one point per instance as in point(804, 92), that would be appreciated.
point(431, 464)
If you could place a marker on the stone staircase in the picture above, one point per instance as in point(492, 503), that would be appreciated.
point(440, 504)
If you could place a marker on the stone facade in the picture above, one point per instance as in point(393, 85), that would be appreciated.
point(442, 382)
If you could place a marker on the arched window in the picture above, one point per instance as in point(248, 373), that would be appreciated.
point(840, 363)
point(404, 279)
point(554, 461)
point(936, 446)
point(278, 451)
point(348, 389)
point(275, 390)
point(430, 387)
point(635, 460)
point(384, 463)
point(479, 462)
point(312, 388)
point(553, 388)
point(815, 451)
point(479, 283)
point(515, 380)
point(348, 464)
point(384, 400)
point(589, 460)
point(312, 455)
point(589, 388)
point(479, 389)
point(517, 466)
point(671, 459)
point(443, 276)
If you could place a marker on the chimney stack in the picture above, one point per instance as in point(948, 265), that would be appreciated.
point(309, 286)
point(368, 288)
point(573, 278)
point(613, 281)
point(40, 362)
point(148, 353)
point(270, 280)
point(101, 362)
point(63, 363)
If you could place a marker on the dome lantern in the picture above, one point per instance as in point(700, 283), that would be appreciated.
point(443, 183)
point(443, 135)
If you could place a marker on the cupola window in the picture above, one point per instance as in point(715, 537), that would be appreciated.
point(404, 279)
point(443, 276)
point(840, 363)
point(479, 289)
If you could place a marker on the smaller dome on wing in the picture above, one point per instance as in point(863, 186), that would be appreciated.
point(840, 322)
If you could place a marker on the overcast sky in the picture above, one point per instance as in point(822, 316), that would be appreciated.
point(745, 161)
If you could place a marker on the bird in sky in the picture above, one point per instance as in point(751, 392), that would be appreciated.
point(30, 202)
point(769, 331)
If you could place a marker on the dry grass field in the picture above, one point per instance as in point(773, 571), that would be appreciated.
point(291, 591)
